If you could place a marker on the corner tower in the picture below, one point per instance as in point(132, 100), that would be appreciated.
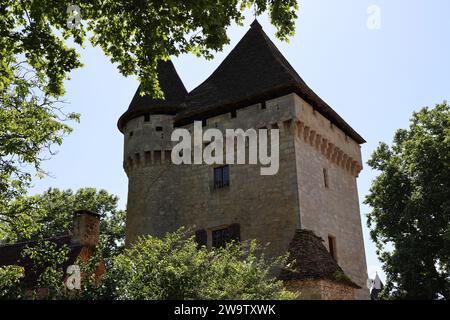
point(147, 126)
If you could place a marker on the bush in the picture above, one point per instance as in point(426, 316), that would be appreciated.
point(174, 268)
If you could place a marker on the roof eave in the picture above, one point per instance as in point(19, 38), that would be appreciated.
point(132, 114)
point(322, 107)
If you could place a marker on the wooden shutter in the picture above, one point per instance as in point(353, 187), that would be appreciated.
point(201, 237)
point(235, 232)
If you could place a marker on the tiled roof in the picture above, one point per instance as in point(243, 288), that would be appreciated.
point(254, 71)
point(309, 259)
point(174, 95)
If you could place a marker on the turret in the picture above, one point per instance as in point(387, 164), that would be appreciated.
point(147, 126)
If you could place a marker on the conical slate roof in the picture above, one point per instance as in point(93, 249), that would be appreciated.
point(254, 66)
point(253, 72)
point(174, 93)
point(309, 259)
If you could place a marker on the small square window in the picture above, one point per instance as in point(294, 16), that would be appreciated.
point(148, 157)
point(147, 118)
point(263, 105)
point(159, 129)
point(131, 133)
point(221, 236)
point(137, 156)
point(221, 177)
point(204, 123)
point(233, 114)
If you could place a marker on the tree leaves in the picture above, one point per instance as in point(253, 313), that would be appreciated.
point(30, 124)
point(135, 34)
point(51, 214)
point(410, 202)
point(174, 268)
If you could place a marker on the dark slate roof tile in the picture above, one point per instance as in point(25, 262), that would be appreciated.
point(253, 72)
point(174, 95)
point(309, 259)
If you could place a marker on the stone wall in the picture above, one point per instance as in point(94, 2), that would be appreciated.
point(320, 289)
point(331, 210)
point(162, 197)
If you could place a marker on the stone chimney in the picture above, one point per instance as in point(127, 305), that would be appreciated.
point(86, 228)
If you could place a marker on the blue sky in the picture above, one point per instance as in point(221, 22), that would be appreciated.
point(374, 79)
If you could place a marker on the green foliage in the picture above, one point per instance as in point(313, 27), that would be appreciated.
point(410, 200)
point(175, 268)
point(10, 277)
point(45, 273)
point(135, 34)
point(341, 276)
point(160, 269)
point(30, 123)
point(51, 213)
point(47, 259)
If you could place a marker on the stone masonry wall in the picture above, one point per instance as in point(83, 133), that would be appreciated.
point(162, 196)
point(333, 210)
point(320, 289)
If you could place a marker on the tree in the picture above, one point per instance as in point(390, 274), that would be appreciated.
point(51, 213)
point(30, 124)
point(176, 268)
point(135, 34)
point(160, 269)
point(410, 200)
point(10, 277)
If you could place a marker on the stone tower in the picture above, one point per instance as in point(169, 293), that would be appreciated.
point(147, 127)
point(315, 189)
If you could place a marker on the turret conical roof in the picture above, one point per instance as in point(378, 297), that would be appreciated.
point(174, 93)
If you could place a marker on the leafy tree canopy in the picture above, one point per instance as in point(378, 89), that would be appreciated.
point(51, 213)
point(175, 268)
point(31, 123)
point(410, 200)
point(135, 34)
point(170, 268)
